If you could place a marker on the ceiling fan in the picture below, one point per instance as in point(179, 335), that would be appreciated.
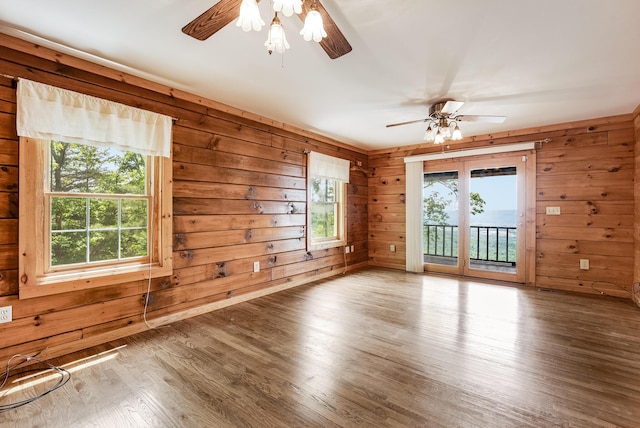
point(225, 11)
point(443, 121)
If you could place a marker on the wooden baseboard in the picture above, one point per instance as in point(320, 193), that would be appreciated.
point(387, 265)
point(249, 296)
point(138, 327)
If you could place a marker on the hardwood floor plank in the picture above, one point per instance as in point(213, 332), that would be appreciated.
point(375, 348)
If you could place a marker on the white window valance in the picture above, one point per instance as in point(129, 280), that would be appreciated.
point(51, 113)
point(329, 167)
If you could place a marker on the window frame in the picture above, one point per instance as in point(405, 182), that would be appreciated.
point(340, 218)
point(35, 280)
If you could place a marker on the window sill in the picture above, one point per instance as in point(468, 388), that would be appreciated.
point(323, 245)
point(56, 283)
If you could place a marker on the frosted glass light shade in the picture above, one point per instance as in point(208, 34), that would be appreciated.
point(439, 138)
point(428, 135)
point(457, 134)
point(287, 7)
point(250, 18)
point(276, 40)
point(313, 27)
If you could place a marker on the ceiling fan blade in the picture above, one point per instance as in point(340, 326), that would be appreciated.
point(335, 44)
point(476, 118)
point(213, 19)
point(451, 106)
point(407, 123)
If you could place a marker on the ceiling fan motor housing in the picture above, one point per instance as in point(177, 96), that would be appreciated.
point(435, 110)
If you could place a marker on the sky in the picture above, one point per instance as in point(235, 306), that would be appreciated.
point(496, 191)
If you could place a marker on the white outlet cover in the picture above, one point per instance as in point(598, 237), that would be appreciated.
point(256, 266)
point(6, 314)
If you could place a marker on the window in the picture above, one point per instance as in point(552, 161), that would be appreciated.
point(327, 179)
point(98, 200)
point(91, 213)
point(89, 216)
point(325, 212)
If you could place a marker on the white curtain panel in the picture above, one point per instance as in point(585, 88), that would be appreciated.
point(328, 167)
point(413, 202)
point(51, 113)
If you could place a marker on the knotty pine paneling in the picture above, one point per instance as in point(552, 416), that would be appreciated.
point(587, 169)
point(636, 214)
point(387, 212)
point(239, 197)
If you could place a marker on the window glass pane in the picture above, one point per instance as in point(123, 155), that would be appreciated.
point(103, 245)
point(493, 219)
point(103, 213)
point(134, 213)
point(440, 218)
point(323, 220)
point(134, 243)
point(68, 248)
point(68, 213)
point(78, 168)
point(117, 227)
point(323, 190)
point(324, 208)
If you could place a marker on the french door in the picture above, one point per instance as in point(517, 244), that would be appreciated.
point(474, 217)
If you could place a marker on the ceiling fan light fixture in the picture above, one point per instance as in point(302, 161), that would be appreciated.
point(288, 7)
point(250, 18)
point(457, 134)
point(444, 128)
point(443, 120)
point(313, 27)
point(276, 39)
point(428, 135)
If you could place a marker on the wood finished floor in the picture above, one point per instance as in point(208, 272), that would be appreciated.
point(375, 348)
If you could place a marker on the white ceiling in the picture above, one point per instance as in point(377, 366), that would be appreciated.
point(536, 62)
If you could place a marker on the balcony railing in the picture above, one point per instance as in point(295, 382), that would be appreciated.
point(495, 244)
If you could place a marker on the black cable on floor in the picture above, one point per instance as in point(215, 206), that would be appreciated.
point(64, 378)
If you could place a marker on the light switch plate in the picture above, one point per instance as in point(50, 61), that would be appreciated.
point(553, 210)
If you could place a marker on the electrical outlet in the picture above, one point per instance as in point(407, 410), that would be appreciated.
point(256, 266)
point(6, 314)
point(352, 248)
point(392, 248)
point(347, 249)
point(584, 264)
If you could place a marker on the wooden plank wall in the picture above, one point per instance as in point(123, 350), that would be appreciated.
point(636, 232)
point(587, 169)
point(239, 197)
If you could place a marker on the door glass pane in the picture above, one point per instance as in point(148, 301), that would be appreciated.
point(492, 219)
point(440, 218)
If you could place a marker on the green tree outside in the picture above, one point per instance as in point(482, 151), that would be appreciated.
point(435, 205)
point(90, 219)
